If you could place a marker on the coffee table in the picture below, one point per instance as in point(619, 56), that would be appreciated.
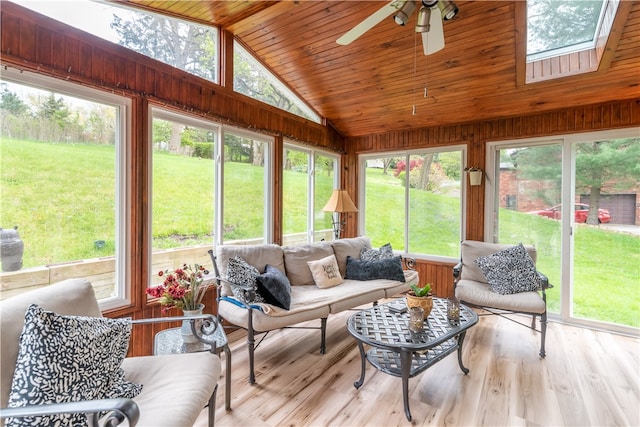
point(397, 351)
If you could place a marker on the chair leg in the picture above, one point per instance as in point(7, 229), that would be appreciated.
point(323, 335)
point(543, 333)
point(212, 407)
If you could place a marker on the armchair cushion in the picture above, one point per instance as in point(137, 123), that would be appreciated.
point(68, 359)
point(510, 271)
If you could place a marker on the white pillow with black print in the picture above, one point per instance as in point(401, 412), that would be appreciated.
point(385, 252)
point(510, 271)
point(325, 272)
point(67, 359)
point(242, 276)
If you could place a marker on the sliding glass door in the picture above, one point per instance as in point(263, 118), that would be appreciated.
point(575, 198)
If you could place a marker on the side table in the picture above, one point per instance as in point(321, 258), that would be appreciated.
point(169, 341)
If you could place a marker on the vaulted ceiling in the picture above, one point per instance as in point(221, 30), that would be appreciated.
point(371, 85)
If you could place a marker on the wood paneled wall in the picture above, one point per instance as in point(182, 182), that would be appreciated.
point(475, 135)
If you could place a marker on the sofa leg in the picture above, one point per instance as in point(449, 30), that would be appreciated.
point(251, 347)
point(543, 334)
point(323, 335)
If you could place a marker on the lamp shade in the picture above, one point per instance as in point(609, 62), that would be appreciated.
point(340, 202)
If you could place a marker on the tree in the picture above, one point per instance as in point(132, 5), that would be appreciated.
point(11, 103)
point(54, 110)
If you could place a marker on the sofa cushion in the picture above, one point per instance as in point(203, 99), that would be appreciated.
point(67, 359)
point(296, 257)
point(390, 268)
point(325, 272)
point(274, 287)
point(352, 247)
point(242, 277)
point(256, 255)
point(385, 251)
point(510, 271)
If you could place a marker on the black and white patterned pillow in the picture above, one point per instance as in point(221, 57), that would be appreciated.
point(510, 271)
point(385, 252)
point(242, 276)
point(68, 359)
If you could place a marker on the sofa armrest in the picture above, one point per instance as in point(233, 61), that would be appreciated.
point(457, 269)
point(117, 410)
point(203, 326)
point(409, 262)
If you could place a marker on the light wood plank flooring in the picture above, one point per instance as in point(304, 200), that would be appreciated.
point(589, 378)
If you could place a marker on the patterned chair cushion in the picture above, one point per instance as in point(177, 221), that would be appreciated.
point(67, 359)
point(510, 271)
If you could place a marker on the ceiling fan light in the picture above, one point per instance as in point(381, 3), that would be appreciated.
point(424, 15)
point(402, 16)
point(448, 8)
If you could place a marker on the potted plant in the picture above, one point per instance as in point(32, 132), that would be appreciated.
point(475, 175)
point(420, 297)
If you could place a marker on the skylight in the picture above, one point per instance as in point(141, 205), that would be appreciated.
point(557, 27)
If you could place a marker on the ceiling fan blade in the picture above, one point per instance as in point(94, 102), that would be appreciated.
point(369, 22)
point(433, 40)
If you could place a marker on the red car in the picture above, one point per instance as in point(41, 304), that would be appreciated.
point(581, 212)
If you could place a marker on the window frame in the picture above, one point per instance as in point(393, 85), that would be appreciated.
point(122, 285)
point(406, 154)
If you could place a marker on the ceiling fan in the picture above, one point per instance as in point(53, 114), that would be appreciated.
point(429, 22)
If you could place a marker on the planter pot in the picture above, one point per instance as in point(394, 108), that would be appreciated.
point(475, 177)
point(185, 329)
point(426, 303)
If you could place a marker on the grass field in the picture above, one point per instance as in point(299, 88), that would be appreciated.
point(62, 199)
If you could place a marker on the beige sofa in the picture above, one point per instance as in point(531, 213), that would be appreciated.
point(308, 301)
point(176, 388)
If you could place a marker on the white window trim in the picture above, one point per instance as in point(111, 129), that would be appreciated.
point(406, 154)
point(123, 163)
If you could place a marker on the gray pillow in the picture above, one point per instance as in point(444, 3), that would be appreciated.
point(242, 276)
point(274, 287)
point(68, 359)
point(510, 271)
point(389, 268)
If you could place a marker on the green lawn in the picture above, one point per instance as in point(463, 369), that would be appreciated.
point(64, 201)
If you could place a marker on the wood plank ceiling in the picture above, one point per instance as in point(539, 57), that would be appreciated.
point(371, 87)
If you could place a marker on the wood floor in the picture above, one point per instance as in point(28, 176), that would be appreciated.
point(589, 378)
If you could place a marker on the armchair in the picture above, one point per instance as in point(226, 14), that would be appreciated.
point(176, 388)
point(472, 288)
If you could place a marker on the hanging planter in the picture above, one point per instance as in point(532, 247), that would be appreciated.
point(475, 175)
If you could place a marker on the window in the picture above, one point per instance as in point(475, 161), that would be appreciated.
point(586, 242)
point(183, 190)
point(251, 78)
point(63, 177)
point(413, 201)
point(308, 176)
point(247, 192)
point(565, 37)
point(187, 46)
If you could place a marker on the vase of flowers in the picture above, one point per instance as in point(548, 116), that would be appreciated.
point(182, 288)
point(185, 329)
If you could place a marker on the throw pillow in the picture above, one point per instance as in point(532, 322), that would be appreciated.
point(67, 359)
point(385, 252)
point(325, 272)
point(510, 271)
point(242, 276)
point(274, 287)
point(389, 268)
